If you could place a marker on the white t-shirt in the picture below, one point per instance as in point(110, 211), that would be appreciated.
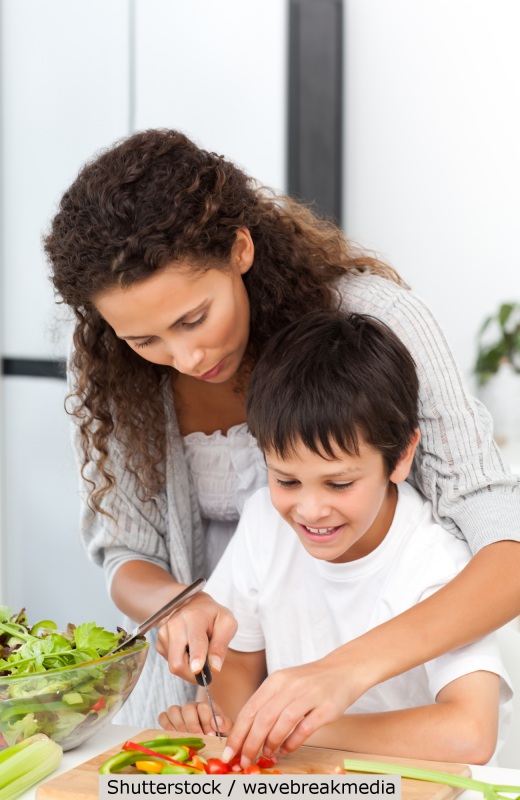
point(298, 608)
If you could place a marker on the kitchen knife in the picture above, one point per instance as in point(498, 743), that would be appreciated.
point(159, 616)
point(204, 678)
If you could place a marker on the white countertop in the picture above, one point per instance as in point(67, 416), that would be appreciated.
point(116, 734)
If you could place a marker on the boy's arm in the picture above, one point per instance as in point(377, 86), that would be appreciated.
point(239, 679)
point(230, 689)
point(462, 725)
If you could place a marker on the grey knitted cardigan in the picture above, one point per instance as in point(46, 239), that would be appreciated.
point(457, 467)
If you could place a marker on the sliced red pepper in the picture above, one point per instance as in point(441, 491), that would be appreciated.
point(99, 705)
point(140, 749)
point(190, 750)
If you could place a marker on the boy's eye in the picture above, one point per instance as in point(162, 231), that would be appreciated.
point(196, 322)
point(286, 483)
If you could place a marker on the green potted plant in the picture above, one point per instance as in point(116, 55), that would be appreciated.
point(504, 347)
point(497, 368)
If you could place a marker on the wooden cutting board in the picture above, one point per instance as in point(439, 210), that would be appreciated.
point(81, 783)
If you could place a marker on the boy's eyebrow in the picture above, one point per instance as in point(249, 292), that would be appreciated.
point(177, 322)
point(341, 474)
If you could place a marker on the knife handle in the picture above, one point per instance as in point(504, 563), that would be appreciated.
point(207, 674)
point(205, 669)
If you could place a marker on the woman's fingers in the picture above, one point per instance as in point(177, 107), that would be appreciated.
point(204, 628)
point(224, 629)
point(290, 705)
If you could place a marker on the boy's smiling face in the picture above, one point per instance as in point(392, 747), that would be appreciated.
point(341, 508)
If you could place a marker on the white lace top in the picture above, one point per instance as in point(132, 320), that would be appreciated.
point(226, 470)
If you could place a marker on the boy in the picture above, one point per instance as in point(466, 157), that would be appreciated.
point(333, 405)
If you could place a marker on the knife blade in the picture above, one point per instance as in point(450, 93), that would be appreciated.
point(158, 616)
point(204, 678)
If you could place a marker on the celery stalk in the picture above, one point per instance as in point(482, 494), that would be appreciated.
point(26, 763)
point(489, 790)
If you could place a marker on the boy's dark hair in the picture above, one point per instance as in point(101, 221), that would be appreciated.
point(330, 378)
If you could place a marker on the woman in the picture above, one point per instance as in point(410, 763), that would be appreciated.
point(179, 269)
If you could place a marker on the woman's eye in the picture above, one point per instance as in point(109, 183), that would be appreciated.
point(196, 322)
point(138, 345)
point(340, 485)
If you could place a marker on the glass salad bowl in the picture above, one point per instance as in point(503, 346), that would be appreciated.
point(72, 703)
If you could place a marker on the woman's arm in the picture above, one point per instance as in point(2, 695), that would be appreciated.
point(139, 588)
point(457, 465)
point(462, 725)
point(292, 704)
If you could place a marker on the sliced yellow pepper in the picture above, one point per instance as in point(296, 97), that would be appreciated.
point(150, 767)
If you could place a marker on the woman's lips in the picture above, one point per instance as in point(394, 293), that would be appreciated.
point(212, 372)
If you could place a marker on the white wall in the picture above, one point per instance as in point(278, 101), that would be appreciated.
point(432, 164)
point(432, 167)
point(64, 95)
point(217, 71)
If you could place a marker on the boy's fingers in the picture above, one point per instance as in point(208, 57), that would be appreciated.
point(172, 719)
point(206, 719)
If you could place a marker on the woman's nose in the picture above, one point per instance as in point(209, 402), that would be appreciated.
point(187, 359)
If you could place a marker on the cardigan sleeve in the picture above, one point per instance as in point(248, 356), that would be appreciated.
point(457, 466)
point(132, 529)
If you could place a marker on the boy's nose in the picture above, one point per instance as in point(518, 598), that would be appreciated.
point(312, 510)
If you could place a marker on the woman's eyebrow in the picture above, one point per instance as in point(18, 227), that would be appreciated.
point(177, 322)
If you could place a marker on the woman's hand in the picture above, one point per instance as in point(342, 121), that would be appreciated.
point(290, 705)
point(203, 627)
point(195, 718)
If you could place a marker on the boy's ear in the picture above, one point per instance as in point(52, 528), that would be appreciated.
point(403, 466)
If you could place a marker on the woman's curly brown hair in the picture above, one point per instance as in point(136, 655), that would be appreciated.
point(153, 198)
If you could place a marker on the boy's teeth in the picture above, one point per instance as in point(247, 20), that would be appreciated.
point(319, 530)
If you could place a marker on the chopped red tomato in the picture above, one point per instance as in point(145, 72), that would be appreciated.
point(252, 769)
point(215, 766)
point(266, 762)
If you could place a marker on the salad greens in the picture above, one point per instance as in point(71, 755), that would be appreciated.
point(54, 682)
point(25, 650)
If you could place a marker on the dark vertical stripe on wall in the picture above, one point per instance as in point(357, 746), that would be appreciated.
point(316, 103)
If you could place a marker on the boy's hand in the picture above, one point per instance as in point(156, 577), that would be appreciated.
point(195, 718)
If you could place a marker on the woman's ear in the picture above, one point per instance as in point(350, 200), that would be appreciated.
point(403, 466)
point(243, 252)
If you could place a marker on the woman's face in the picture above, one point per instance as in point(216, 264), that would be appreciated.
point(196, 322)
